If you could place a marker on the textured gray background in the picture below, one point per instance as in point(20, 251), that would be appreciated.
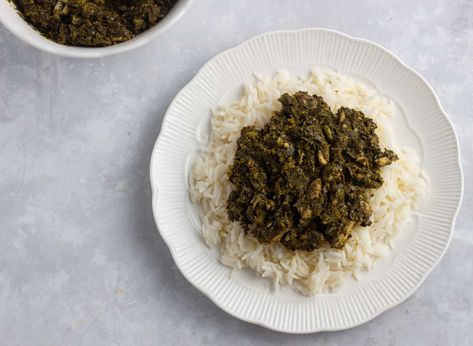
point(81, 261)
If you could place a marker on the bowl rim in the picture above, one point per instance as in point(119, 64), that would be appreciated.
point(36, 40)
point(452, 219)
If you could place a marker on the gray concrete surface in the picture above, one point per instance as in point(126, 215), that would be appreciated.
point(81, 262)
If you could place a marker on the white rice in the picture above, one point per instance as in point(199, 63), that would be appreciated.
point(324, 269)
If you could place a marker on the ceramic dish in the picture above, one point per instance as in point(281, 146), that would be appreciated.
point(21, 29)
point(423, 125)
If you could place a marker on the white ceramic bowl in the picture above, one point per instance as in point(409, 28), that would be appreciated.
point(21, 29)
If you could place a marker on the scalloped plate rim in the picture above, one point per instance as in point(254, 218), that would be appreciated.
point(452, 220)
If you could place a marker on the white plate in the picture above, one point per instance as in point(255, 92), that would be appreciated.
point(423, 124)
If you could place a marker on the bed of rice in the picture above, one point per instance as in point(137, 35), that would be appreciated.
point(325, 269)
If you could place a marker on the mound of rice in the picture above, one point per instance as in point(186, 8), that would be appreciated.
point(325, 269)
